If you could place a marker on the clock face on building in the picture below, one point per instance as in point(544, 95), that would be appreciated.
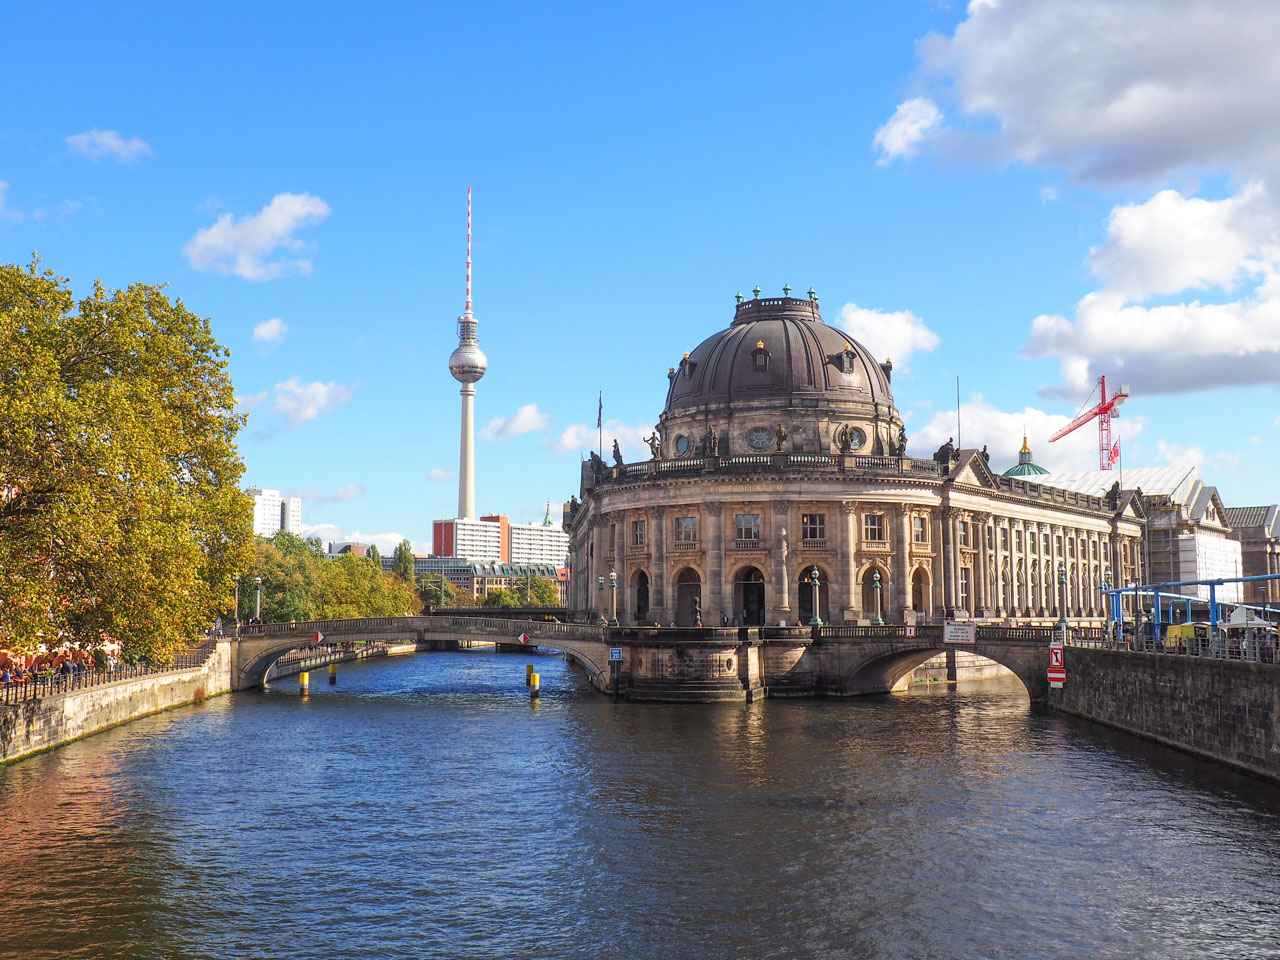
point(759, 438)
point(682, 445)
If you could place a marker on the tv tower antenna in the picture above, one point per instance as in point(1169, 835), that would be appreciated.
point(467, 364)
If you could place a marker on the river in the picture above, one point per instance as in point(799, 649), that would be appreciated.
point(425, 808)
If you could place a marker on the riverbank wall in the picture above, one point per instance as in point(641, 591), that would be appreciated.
point(291, 665)
point(34, 725)
point(1223, 710)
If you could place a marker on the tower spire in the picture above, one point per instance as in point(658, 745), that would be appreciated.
point(467, 364)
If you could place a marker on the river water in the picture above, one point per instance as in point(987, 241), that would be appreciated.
point(424, 808)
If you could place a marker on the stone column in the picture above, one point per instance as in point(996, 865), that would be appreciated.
point(898, 599)
point(658, 569)
point(957, 558)
point(713, 598)
point(599, 541)
point(781, 560)
point(847, 559)
point(982, 604)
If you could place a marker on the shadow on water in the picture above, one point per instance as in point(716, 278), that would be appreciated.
point(424, 807)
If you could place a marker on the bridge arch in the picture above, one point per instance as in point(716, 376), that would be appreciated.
point(881, 666)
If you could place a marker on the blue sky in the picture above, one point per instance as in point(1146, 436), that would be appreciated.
point(1021, 194)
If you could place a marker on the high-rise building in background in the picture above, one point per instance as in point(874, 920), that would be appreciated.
point(497, 539)
point(273, 513)
point(467, 364)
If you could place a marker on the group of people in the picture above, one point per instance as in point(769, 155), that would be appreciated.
point(47, 668)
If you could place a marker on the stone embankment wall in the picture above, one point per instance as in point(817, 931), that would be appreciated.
point(39, 724)
point(1225, 710)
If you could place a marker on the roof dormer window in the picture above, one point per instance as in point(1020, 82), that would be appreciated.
point(760, 357)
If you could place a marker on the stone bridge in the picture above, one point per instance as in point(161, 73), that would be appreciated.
point(261, 645)
point(678, 664)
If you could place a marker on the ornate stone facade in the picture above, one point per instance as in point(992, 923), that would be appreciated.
point(780, 452)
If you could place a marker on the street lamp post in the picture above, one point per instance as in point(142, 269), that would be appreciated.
point(1062, 602)
point(875, 585)
point(1106, 597)
point(257, 606)
point(816, 619)
point(613, 590)
point(600, 588)
point(237, 606)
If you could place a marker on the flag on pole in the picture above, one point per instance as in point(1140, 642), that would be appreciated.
point(1115, 453)
point(600, 411)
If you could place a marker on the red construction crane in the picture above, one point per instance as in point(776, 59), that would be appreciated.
point(1103, 410)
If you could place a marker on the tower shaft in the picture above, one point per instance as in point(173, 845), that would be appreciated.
point(467, 455)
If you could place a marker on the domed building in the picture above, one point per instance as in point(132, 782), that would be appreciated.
point(1025, 467)
point(779, 475)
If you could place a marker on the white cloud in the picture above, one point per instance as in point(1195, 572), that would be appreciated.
point(243, 247)
point(351, 491)
point(580, 437)
point(300, 402)
point(100, 144)
point(440, 476)
point(1194, 455)
point(525, 420)
point(1169, 244)
point(1001, 432)
point(911, 123)
point(1114, 90)
point(246, 402)
point(1048, 194)
point(385, 542)
point(888, 336)
point(270, 333)
point(5, 213)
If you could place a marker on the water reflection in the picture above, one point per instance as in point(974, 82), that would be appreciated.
point(424, 807)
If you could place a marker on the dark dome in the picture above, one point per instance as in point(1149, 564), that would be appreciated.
point(802, 357)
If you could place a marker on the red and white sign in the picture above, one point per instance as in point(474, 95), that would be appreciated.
point(319, 636)
point(1057, 672)
point(911, 630)
point(524, 638)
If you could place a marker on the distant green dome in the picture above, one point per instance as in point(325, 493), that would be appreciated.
point(1025, 467)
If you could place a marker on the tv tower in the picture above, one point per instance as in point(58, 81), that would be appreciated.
point(467, 364)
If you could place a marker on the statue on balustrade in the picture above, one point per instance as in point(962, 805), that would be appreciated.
point(654, 440)
point(780, 436)
point(617, 454)
point(946, 453)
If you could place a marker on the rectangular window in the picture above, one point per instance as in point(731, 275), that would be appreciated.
point(747, 526)
point(873, 527)
point(1058, 541)
point(1046, 543)
point(1004, 538)
point(963, 528)
point(1071, 549)
point(638, 532)
point(990, 538)
point(813, 526)
point(1017, 540)
point(920, 529)
point(686, 529)
point(964, 588)
point(1093, 549)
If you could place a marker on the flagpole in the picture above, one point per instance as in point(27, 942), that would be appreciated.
point(600, 424)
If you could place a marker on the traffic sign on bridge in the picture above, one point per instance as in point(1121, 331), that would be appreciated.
point(524, 638)
point(1057, 670)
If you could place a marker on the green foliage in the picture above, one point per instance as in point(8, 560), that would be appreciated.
point(543, 593)
point(502, 597)
point(374, 556)
point(436, 591)
point(120, 509)
point(299, 582)
point(402, 561)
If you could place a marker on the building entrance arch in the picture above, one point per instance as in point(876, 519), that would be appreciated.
point(869, 608)
point(748, 597)
point(921, 595)
point(804, 595)
point(640, 597)
point(688, 598)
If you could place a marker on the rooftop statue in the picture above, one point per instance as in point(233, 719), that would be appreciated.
point(655, 444)
point(780, 435)
point(946, 453)
point(617, 454)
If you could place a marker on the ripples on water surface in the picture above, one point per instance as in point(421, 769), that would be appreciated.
point(423, 808)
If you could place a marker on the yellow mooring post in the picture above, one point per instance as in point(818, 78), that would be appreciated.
point(304, 683)
point(333, 674)
point(534, 680)
point(528, 673)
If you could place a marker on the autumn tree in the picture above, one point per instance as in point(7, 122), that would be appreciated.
point(351, 587)
point(120, 509)
point(373, 556)
point(402, 561)
point(436, 591)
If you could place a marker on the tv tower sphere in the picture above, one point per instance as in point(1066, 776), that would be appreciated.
point(468, 363)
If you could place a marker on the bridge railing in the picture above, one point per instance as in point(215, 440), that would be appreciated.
point(52, 684)
point(1259, 649)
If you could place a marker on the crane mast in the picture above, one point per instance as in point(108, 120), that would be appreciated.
point(1104, 410)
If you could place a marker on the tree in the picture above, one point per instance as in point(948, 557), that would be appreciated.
point(543, 593)
point(351, 587)
point(502, 597)
point(436, 591)
point(291, 569)
point(120, 509)
point(402, 561)
point(374, 556)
